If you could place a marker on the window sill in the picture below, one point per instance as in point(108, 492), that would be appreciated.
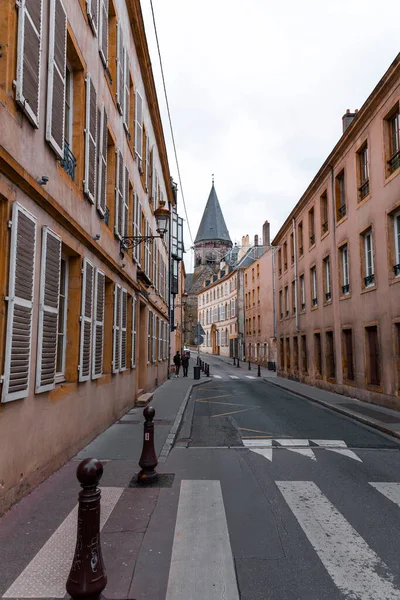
point(370, 288)
point(342, 220)
point(312, 247)
point(374, 388)
point(363, 201)
point(328, 302)
point(345, 296)
point(390, 177)
point(314, 307)
point(350, 382)
point(324, 235)
point(60, 378)
point(393, 280)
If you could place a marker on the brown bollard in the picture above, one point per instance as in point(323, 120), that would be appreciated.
point(259, 371)
point(148, 459)
point(87, 578)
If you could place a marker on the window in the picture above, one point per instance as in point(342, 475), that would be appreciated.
point(327, 279)
point(394, 142)
point(304, 361)
point(281, 303)
point(279, 264)
point(367, 256)
point(285, 263)
point(314, 296)
point(120, 329)
point(373, 363)
point(363, 172)
point(302, 292)
point(294, 297)
point(311, 226)
point(287, 353)
point(245, 279)
point(90, 133)
point(258, 295)
point(259, 323)
point(396, 234)
point(254, 326)
point(296, 352)
point(300, 238)
point(317, 354)
point(340, 197)
point(348, 364)
point(62, 320)
point(281, 354)
point(344, 263)
point(324, 213)
point(253, 297)
point(330, 356)
point(287, 300)
point(252, 274)
point(258, 270)
point(291, 249)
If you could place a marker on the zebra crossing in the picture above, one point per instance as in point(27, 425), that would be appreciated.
point(236, 377)
point(202, 529)
point(264, 447)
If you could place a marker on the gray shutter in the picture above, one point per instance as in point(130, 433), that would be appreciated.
point(147, 166)
point(120, 69)
point(98, 324)
point(102, 163)
point(90, 140)
point(29, 50)
point(123, 333)
point(125, 204)
point(48, 311)
point(137, 223)
point(86, 321)
point(92, 9)
point(56, 77)
point(126, 90)
point(103, 33)
point(20, 305)
point(116, 329)
point(134, 327)
point(119, 195)
point(138, 124)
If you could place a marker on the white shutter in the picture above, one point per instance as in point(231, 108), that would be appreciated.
point(20, 305)
point(103, 32)
point(56, 77)
point(154, 257)
point(116, 329)
point(86, 321)
point(98, 324)
point(29, 49)
point(160, 324)
point(92, 9)
point(133, 340)
point(125, 204)
point(89, 186)
point(119, 195)
point(120, 69)
point(123, 333)
point(102, 163)
point(126, 90)
point(147, 165)
point(153, 344)
point(154, 182)
point(137, 223)
point(138, 124)
point(48, 311)
point(153, 173)
point(149, 323)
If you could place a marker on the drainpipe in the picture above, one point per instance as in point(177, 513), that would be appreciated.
point(296, 300)
point(169, 293)
point(274, 249)
point(335, 291)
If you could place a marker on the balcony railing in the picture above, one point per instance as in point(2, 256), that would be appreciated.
point(314, 301)
point(312, 240)
point(325, 227)
point(364, 189)
point(394, 162)
point(369, 280)
point(68, 163)
point(396, 269)
point(328, 296)
point(341, 211)
point(346, 288)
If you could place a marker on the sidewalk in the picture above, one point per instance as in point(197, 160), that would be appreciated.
point(38, 534)
point(243, 364)
point(384, 419)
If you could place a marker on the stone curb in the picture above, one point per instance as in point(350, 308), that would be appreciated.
point(348, 413)
point(169, 442)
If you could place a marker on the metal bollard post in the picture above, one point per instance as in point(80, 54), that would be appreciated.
point(249, 366)
point(234, 361)
point(148, 459)
point(259, 371)
point(237, 364)
point(87, 577)
point(208, 370)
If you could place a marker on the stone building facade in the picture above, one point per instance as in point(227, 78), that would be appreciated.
point(338, 260)
point(83, 164)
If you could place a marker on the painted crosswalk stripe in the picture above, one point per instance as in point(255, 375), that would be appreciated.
point(233, 376)
point(339, 447)
point(45, 576)
point(202, 563)
point(354, 567)
point(250, 377)
point(217, 376)
point(389, 489)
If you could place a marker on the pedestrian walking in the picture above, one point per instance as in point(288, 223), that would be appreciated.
point(185, 363)
point(177, 363)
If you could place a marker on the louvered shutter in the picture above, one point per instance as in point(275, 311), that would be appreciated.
point(123, 333)
point(20, 305)
point(160, 323)
point(134, 326)
point(98, 324)
point(119, 194)
point(125, 203)
point(149, 324)
point(154, 265)
point(29, 58)
point(126, 87)
point(147, 166)
point(138, 124)
point(90, 140)
point(86, 321)
point(102, 164)
point(154, 183)
point(116, 329)
point(92, 9)
point(137, 221)
point(103, 32)
point(56, 77)
point(48, 311)
point(120, 69)
point(154, 338)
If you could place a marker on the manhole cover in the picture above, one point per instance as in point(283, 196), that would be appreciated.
point(370, 412)
point(165, 480)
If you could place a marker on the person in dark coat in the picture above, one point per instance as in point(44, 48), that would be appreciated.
point(177, 363)
point(185, 363)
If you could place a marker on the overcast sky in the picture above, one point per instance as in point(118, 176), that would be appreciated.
point(257, 90)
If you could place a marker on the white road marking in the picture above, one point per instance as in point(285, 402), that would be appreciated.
point(354, 567)
point(288, 442)
point(388, 489)
point(265, 452)
point(331, 443)
point(257, 443)
point(250, 377)
point(202, 563)
point(304, 452)
point(233, 376)
point(45, 576)
point(345, 452)
point(217, 376)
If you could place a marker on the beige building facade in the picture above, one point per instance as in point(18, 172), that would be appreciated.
point(83, 166)
point(338, 260)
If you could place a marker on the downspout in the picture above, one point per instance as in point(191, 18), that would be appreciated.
point(274, 288)
point(169, 293)
point(334, 288)
point(296, 299)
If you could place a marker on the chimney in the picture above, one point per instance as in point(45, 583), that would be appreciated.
point(256, 240)
point(266, 235)
point(348, 118)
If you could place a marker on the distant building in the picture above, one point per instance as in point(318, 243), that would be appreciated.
point(338, 260)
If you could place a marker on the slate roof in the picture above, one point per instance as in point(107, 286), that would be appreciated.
point(212, 226)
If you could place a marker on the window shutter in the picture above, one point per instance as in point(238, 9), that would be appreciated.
point(119, 195)
point(126, 90)
point(48, 311)
point(103, 33)
point(154, 268)
point(125, 204)
point(120, 69)
point(147, 166)
point(137, 219)
point(98, 325)
point(138, 124)
point(92, 9)
point(134, 326)
point(124, 303)
point(116, 328)
point(86, 321)
point(153, 344)
point(149, 322)
point(154, 182)
point(56, 77)
point(20, 305)
point(29, 50)
point(102, 164)
point(160, 324)
point(90, 140)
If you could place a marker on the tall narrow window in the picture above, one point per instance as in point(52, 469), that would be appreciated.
point(394, 142)
point(369, 276)
point(324, 213)
point(330, 356)
point(314, 293)
point(373, 361)
point(327, 279)
point(287, 300)
point(302, 292)
point(279, 265)
point(281, 303)
point(363, 173)
point(304, 360)
point(294, 297)
point(396, 233)
point(285, 259)
point(311, 226)
point(295, 352)
point(300, 238)
point(348, 363)
point(340, 196)
point(345, 270)
point(287, 353)
point(62, 321)
point(291, 249)
point(317, 353)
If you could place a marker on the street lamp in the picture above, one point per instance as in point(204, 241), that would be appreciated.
point(162, 216)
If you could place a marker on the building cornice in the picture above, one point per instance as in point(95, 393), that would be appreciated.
point(347, 139)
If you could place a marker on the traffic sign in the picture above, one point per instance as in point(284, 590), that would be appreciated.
point(199, 329)
point(198, 340)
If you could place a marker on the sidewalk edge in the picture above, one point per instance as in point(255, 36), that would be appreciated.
point(348, 413)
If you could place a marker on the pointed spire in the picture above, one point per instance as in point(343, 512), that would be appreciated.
point(213, 178)
point(212, 226)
